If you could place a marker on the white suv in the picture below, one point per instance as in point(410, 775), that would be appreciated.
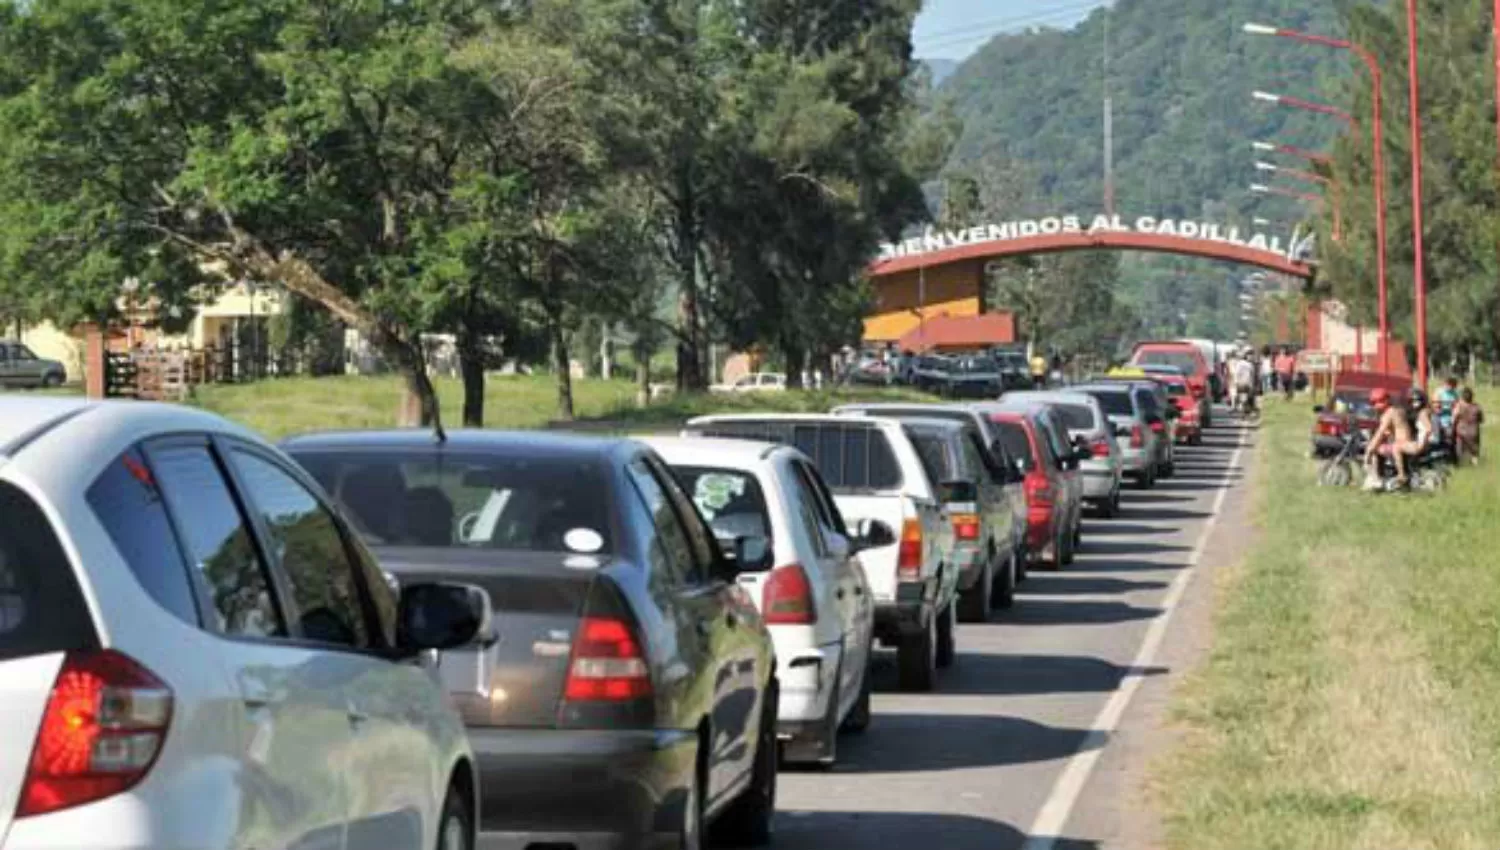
point(196, 652)
point(816, 602)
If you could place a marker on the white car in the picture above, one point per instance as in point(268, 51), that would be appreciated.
point(757, 382)
point(816, 601)
point(881, 486)
point(196, 652)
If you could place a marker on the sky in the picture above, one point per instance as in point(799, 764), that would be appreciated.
point(953, 29)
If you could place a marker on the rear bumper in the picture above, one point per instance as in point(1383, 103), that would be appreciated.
point(610, 790)
point(1040, 525)
point(969, 558)
point(807, 677)
point(1136, 461)
point(1099, 484)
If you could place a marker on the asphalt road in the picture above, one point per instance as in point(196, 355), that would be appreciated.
point(1020, 745)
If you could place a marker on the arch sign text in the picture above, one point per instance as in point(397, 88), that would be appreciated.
point(940, 240)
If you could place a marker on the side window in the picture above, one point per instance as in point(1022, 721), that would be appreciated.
point(671, 539)
point(828, 509)
point(974, 460)
point(701, 540)
point(806, 501)
point(1044, 442)
point(307, 544)
point(217, 540)
point(128, 504)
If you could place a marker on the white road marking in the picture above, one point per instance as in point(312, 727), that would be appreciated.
point(1047, 828)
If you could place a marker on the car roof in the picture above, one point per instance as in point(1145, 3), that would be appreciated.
point(24, 417)
point(1052, 397)
point(715, 451)
point(806, 418)
point(542, 442)
point(946, 427)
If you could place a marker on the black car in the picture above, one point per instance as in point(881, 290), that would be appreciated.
point(1015, 368)
point(974, 376)
point(929, 372)
point(630, 700)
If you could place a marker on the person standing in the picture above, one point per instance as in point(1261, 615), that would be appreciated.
point(1286, 372)
point(1468, 418)
point(1039, 371)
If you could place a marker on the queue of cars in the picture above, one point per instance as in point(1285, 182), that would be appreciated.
point(501, 640)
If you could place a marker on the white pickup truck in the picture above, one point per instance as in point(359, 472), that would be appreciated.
point(875, 475)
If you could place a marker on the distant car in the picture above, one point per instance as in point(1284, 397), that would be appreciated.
point(197, 651)
point(881, 486)
point(1162, 416)
point(1190, 359)
point(980, 509)
point(1139, 432)
point(1350, 408)
point(758, 382)
point(930, 373)
point(972, 377)
point(1054, 507)
point(631, 695)
point(1187, 426)
point(1015, 367)
point(816, 600)
point(19, 367)
point(1088, 426)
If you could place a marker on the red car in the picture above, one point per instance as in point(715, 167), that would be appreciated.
point(1189, 425)
point(1054, 507)
point(1186, 357)
point(1351, 408)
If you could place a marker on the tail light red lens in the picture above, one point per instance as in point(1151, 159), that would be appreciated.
point(1038, 491)
point(1100, 447)
point(1137, 437)
point(105, 722)
point(607, 664)
point(966, 527)
point(1159, 427)
point(909, 556)
point(1198, 390)
point(1330, 428)
point(787, 599)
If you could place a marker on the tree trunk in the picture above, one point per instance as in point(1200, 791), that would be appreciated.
point(689, 346)
point(471, 366)
point(642, 376)
point(419, 403)
point(564, 370)
point(796, 361)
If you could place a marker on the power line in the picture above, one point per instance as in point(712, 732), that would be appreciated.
point(989, 28)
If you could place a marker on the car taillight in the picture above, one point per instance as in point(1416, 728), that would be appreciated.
point(786, 598)
point(966, 526)
point(1137, 437)
point(607, 663)
point(1038, 491)
point(1158, 427)
point(1198, 390)
point(1100, 447)
point(909, 557)
point(1330, 428)
point(104, 724)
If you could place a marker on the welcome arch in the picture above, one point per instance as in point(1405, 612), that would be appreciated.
point(944, 273)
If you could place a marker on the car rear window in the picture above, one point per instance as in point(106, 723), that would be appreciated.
point(1176, 389)
point(854, 458)
point(1013, 437)
point(932, 450)
point(42, 609)
point(1076, 417)
point(1183, 360)
point(489, 500)
point(1114, 403)
point(730, 499)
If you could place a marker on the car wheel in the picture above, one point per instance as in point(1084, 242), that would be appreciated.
point(860, 716)
point(974, 603)
point(52, 380)
point(748, 820)
point(947, 636)
point(456, 827)
point(916, 659)
point(1004, 592)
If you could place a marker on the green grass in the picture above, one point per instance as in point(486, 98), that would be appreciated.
point(1352, 696)
point(278, 408)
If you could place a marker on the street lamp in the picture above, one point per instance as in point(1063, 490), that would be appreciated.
point(1262, 189)
point(1377, 135)
point(1292, 150)
point(1309, 177)
point(1308, 105)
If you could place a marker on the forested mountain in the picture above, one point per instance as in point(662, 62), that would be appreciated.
point(1181, 75)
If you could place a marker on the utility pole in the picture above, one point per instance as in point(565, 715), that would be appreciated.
point(1109, 124)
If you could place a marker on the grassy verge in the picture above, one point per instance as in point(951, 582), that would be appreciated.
point(1352, 697)
point(281, 407)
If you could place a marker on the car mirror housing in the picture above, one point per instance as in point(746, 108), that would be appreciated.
point(874, 534)
point(752, 554)
point(441, 615)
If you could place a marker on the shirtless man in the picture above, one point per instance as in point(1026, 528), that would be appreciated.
point(1393, 431)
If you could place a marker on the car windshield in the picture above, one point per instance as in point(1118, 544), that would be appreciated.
point(932, 450)
point(1114, 403)
point(1076, 417)
point(1176, 389)
point(730, 499)
point(1182, 360)
point(975, 365)
point(478, 501)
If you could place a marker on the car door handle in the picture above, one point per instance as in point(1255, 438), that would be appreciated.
point(839, 594)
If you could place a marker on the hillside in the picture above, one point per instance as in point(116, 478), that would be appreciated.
point(1182, 73)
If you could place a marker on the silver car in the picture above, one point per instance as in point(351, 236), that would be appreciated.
point(19, 367)
point(1139, 443)
point(1089, 427)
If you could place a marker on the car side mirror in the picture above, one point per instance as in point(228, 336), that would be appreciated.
point(958, 491)
point(1083, 453)
point(442, 616)
point(874, 534)
point(752, 554)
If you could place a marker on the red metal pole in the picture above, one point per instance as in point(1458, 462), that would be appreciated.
point(1497, 61)
point(1420, 273)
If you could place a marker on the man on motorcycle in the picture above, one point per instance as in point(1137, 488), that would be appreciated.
point(1393, 430)
point(1242, 375)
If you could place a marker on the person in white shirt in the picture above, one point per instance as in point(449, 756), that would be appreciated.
point(1242, 375)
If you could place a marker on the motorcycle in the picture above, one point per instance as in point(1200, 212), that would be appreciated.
point(1342, 468)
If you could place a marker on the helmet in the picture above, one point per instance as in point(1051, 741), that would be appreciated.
point(1380, 397)
point(1417, 399)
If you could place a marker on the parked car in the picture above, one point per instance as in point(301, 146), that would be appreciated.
point(930, 373)
point(1184, 421)
point(1015, 367)
point(998, 457)
point(1139, 433)
point(631, 696)
point(1349, 408)
point(1088, 427)
point(19, 367)
point(1189, 358)
point(880, 486)
point(974, 493)
point(1162, 418)
point(196, 650)
point(757, 382)
point(1053, 493)
point(972, 376)
point(816, 600)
